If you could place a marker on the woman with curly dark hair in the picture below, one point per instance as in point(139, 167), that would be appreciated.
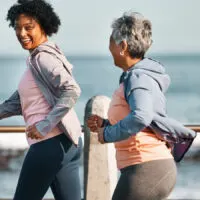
point(45, 97)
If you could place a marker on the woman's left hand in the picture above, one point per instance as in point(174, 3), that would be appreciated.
point(33, 133)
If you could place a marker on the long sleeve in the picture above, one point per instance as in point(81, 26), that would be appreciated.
point(141, 104)
point(11, 106)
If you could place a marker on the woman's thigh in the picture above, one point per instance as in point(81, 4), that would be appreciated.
point(66, 185)
point(152, 180)
point(42, 162)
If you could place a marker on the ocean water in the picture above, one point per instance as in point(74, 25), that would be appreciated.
point(98, 76)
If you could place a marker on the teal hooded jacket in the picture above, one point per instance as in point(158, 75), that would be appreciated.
point(145, 85)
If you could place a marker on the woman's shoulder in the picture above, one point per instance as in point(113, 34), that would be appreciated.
point(49, 56)
point(47, 47)
point(136, 79)
point(44, 58)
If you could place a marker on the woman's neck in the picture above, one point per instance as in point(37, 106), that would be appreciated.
point(130, 62)
point(44, 40)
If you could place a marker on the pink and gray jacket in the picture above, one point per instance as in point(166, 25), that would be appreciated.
point(53, 75)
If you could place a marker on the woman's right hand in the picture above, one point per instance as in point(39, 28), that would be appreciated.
point(94, 122)
point(33, 133)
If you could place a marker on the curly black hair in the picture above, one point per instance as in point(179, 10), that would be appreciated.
point(40, 10)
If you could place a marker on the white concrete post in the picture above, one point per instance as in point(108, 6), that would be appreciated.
point(100, 171)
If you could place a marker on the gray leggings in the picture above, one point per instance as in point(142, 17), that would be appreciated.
point(51, 163)
point(152, 180)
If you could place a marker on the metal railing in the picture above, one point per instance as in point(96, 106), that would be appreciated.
point(12, 129)
point(21, 129)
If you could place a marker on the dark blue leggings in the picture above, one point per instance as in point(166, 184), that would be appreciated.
point(51, 163)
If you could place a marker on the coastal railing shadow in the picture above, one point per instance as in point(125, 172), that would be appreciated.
point(100, 171)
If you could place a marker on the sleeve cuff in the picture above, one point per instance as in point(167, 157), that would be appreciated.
point(104, 135)
point(105, 123)
point(43, 127)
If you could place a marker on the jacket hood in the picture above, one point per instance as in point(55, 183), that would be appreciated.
point(155, 70)
point(52, 48)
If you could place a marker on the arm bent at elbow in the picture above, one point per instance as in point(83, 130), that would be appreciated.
point(140, 101)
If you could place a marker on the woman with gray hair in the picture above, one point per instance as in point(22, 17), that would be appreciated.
point(137, 122)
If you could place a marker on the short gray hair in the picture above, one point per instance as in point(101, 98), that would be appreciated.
point(136, 30)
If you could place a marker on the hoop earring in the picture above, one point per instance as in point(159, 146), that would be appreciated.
point(121, 53)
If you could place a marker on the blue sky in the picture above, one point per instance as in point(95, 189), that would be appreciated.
point(86, 24)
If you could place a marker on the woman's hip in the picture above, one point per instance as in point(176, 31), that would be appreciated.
point(153, 180)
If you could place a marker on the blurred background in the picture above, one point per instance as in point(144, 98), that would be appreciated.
point(84, 37)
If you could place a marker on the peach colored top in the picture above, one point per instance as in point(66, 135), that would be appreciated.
point(142, 147)
point(34, 106)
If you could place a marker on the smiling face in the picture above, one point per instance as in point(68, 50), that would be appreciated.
point(29, 32)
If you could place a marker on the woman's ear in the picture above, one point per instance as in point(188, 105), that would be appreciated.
point(123, 47)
